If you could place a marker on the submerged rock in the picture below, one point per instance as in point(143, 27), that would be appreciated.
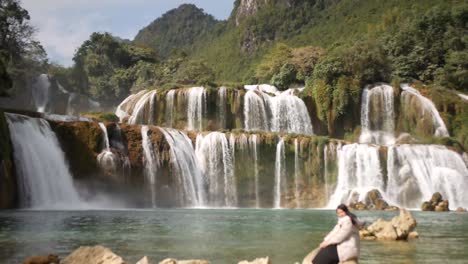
point(93, 255)
point(257, 261)
point(461, 210)
point(399, 228)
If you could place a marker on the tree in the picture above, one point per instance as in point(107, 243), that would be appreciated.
point(272, 62)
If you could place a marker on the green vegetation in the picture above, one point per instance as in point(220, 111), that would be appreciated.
point(21, 57)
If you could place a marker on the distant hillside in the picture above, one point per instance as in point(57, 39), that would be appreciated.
point(177, 29)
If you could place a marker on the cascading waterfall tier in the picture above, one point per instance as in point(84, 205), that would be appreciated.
point(107, 160)
point(196, 98)
point(415, 172)
point(359, 171)
point(284, 112)
point(280, 174)
point(41, 92)
point(44, 178)
point(151, 163)
point(189, 182)
point(427, 107)
point(215, 155)
point(378, 115)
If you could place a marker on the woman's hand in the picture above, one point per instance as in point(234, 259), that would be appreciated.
point(323, 245)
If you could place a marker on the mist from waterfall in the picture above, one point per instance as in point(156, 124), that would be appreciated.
point(44, 179)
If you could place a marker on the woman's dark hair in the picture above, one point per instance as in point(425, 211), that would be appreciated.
point(345, 209)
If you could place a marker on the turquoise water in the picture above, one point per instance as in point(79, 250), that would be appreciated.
point(222, 236)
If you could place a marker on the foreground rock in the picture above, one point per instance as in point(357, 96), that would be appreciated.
point(401, 227)
point(436, 204)
point(308, 259)
point(257, 261)
point(93, 255)
point(174, 261)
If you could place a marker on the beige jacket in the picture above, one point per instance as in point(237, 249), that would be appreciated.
point(346, 236)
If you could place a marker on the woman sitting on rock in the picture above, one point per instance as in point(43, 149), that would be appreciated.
point(342, 243)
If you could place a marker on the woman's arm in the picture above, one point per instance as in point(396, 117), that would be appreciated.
point(340, 235)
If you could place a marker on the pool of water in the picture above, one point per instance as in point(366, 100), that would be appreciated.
point(222, 236)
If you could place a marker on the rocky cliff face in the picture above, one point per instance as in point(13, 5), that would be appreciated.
point(248, 8)
point(8, 188)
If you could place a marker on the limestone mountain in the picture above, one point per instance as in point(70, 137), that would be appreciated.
point(178, 28)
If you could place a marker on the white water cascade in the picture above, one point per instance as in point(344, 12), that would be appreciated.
point(107, 160)
point(283, 112)
point(151, 163)
point(296, 173)
point(44, 178)
point(216, 159)
point(378, 115)
point(280, 173)
point(222, 105)
point(188, 175)
point(170, 108)
point(41, 92)
point(253, 147)
point(196, 104)
point(463, 96)
point(418, 171)
point(142, 113)
point(359, 171)
point(427, 106)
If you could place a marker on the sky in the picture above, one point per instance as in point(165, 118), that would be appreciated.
point(63, 25)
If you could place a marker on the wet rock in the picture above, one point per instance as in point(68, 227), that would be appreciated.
point(392, 208)
point(42, 260)
point(399, 228)
point(174, 261)
point(427, 206)
point(461, 210)
point(358, 206)
point(413, 235)
point(442, 206)
point(437, 203)
point(257, 261)
point(93, 255)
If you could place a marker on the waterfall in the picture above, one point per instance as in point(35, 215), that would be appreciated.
point(221, 104)
point(195, 107)
point(427, 105)
point(170, 108)
point(106, 159)
point(44, 178)
point(359, 171)
point(418, 171)
point(117, 142)
point(255, 115)
point(280, 173)
point(41, 91)
point(140, 111)
point(253, 145)
point(151, 163)
point(288, 112)
point(463, 96)
point(296, 173)
point(185, 169)
point(378, 115)
point(215, 156)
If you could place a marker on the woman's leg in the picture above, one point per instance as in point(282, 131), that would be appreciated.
point(328, 255)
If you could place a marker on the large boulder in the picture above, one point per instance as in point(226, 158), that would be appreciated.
point(308, 259)
point(257, 261)
point(399, 228)
point(374, 200)
point(93, 255)
point(175, 261)
point(437, 203)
